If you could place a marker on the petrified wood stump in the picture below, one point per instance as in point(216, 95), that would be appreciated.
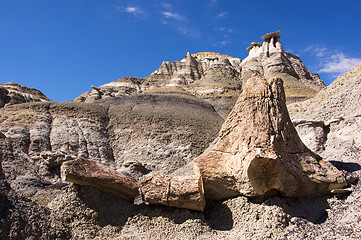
point(259, 151)
point(87, 172)
point(181, 192)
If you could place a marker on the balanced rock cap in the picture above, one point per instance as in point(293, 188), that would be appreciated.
point(254, 44)
point(272, 34)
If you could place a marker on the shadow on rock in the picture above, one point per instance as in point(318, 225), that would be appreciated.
point(312, 209)
point(111, 210)
point(347, 166)
point(218, 216)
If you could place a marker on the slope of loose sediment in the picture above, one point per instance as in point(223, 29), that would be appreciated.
point(330, 124)
point(341, 99)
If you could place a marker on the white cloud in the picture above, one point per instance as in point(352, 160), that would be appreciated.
point(172, 15)
point(221, 14)
point(187, 31)
point(223, 29)
point(166, 5)
point(332, 62)
point(133, 10)
point(338, 63)
point(317, 50)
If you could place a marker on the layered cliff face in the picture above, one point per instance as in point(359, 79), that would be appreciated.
point(209, 76)
point(219, 78)
point(268, 59)
point(13, 93)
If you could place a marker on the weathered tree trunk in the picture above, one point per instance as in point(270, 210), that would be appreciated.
point(181, 192)
point(259, 151)
point(88, 172)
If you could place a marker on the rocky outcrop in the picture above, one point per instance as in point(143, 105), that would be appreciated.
point(218, 78)
point(13, 93)
point(338, 108)
point(259, 152)
point(210, 76)
point(270, 60)
point(159, 133)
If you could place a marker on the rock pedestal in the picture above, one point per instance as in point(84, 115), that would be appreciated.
point(259, 151)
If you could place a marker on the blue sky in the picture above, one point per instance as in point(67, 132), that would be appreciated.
point(62, 47)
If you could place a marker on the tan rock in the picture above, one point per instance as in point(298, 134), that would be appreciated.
point(181, 191)
point(87, 172)
point(271, 35)
point(259, 151)
point(254, 44)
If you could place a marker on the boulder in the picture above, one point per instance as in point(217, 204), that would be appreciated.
point(87, 172)
point(259, 152)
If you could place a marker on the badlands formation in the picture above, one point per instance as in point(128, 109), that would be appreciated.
point(208, 147)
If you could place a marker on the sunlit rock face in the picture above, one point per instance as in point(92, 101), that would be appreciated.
point(213, 77)
point(218, 78)
point(13, 93)
point(268, 59)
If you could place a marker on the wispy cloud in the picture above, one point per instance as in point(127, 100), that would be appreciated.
point(166, 5)
point(168, 15)
point(221, 43)
point(332, 62)
point(136, 11)
point(317, 50)
point(173, 15)
point(224, 35)
point(222, 14)
point(178, 21)
point(339, 63)
point(224, 29)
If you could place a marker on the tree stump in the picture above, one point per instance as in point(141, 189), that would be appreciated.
point(259, 151)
